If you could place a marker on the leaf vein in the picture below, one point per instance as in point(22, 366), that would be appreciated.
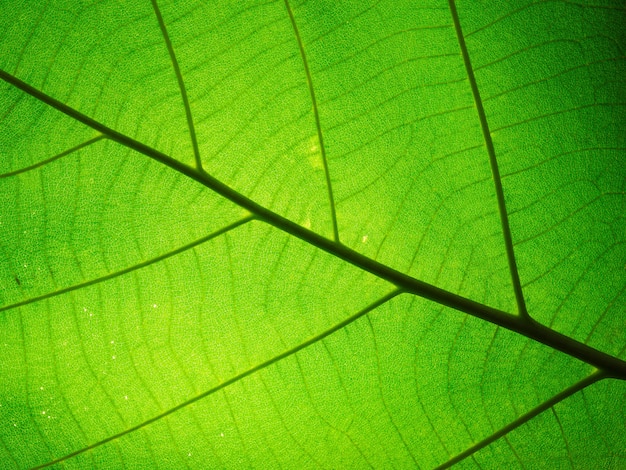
point(318, 125)
point(54, 158)
point(531, 329)
point(589, 380)
point(181, 84)
point(230, 381)
point(504, 218)
point(131, 268)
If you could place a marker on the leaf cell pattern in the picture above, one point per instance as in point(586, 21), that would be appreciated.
point(281, 234)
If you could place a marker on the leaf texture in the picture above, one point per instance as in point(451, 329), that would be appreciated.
point(312, 234)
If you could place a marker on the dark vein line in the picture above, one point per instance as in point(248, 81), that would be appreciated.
point(232, 380)
point(328, 32)
point(613, 302)
point(181, 85)
point(51, 159)
point(591, 379)
point(533, 4)
point(556, 113)
point(573, 288)
point(546, 229)
point(504, 219)
point(318, 124)
point(528, 327)
point(513, 451)
point(565, 441)
point(560, 73)
point(559, 156)
point(368, 47)
point(528, 49)
point(381, 393)
point(134, 267)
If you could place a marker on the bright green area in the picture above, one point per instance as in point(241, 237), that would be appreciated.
point(145, 315)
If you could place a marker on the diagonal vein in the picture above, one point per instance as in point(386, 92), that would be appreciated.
point(578, 386)
point(132, 268)
point(484, 125)
point(318, 125)
point(232, 380)
point(56, 157)
point(526, 326)
point(181, 85)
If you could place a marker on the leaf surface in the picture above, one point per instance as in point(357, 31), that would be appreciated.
point(312, 234)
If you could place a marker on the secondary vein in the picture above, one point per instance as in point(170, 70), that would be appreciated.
point(181, 85)
point(578, 386)
point(135, 267)
point(484, 125)
point(51, 159)
point(318, 125)
point(233, 379)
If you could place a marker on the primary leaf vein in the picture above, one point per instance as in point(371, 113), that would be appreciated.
point(525, 326)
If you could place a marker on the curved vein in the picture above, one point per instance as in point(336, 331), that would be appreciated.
point(553, 76)
point(578, 386)
point(504, 219)
point(181, 85)
point(318, 125)
point(56, 157)
point(232, 380)
point(560, 111)
point(528, 327)
point(533, 4)
point(132, 268)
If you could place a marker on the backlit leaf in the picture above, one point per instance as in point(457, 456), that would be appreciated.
point(312, 234)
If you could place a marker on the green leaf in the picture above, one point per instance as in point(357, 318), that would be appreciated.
point(312, 234)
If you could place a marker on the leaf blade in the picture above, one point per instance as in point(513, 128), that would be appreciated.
point(252, 276)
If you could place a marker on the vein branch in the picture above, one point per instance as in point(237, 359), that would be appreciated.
point(232, 380)
point(484, 125)
point(527, 326)
point(135, 267)
point(578, 386)
point(318, 125)
point(51, 159)
point(181, 84)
